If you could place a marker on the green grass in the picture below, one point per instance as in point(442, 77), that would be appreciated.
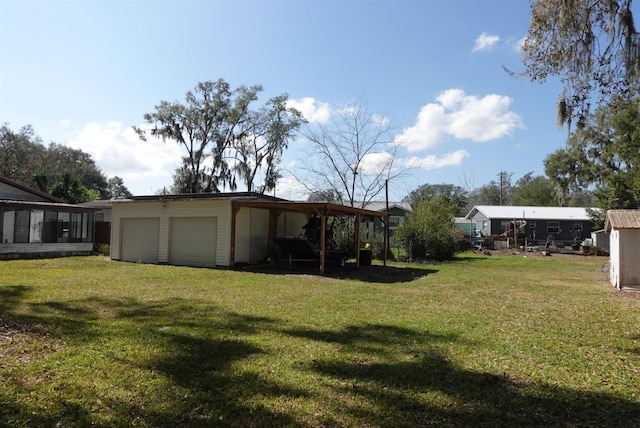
point(479, 341)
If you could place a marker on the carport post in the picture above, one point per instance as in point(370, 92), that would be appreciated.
point(358, 218)
point(323, 225)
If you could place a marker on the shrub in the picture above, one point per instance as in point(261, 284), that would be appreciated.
point(104, 249)
point(430, 231)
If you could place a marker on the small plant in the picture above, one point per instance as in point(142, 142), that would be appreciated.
point(104, 249)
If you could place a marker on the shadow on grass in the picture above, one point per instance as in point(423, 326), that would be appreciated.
point(374, 273)
point(423, 387)
point(195, 350)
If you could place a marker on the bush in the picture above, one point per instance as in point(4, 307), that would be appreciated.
point(430, 231)
point(104, 249)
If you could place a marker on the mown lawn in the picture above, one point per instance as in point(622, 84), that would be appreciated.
point(480, 341)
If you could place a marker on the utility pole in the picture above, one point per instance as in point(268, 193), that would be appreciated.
point(501, 175)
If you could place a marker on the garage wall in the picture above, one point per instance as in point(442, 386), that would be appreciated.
point(290, 223)
point(164, 212)
point(252, 235)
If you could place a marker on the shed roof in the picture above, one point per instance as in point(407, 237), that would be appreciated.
point(622, 219)
point(531, 212)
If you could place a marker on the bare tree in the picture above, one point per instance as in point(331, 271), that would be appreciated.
point(352, 156)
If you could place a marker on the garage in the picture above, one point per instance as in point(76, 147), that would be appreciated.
point(193, 241)
point(140, 239)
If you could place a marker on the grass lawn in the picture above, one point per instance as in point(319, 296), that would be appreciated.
point(501, 340)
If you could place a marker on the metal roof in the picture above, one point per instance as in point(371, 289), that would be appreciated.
point(382, 206)
point(531, 212)
point(622, 219)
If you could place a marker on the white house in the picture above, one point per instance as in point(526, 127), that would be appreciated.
point(624, 246)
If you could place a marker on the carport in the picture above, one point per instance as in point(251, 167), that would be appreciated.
point(320, 209)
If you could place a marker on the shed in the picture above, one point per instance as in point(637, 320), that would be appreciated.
point(215, 229)
point(624, 246)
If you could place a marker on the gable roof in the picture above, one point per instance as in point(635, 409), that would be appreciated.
point(23, 193)
point(530, 212)
point(382, 206)
point(622, 219)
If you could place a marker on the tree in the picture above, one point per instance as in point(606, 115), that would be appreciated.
point(60, 160)
point(456, 196)
point(493, 193)
point(70, 189)
point(429, 229)
point(20, 154)
point(352, 156)
point(592, 45)
point(25, 159)
point(263, 140)
point(605, 153)
point(117, 189)
point(324, 196)
point(533, 191)
point(223, 138)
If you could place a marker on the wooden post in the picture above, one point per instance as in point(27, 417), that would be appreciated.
point(323, 233)
point(357, 238)
point(234, 210)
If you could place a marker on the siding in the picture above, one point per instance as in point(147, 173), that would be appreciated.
point(170, 209)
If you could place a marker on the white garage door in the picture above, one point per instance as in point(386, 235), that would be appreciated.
point(193, 241)
point(140, 240)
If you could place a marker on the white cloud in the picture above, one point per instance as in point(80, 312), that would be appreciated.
point(312, 110)
point(65, 123)
point(117, 150)
point(434, 162)
point(374, 163)
point(518, 44)
point(460, 116)
point(291, 188)
point(485, 42)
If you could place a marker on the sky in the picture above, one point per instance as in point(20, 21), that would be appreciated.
point(84, 72)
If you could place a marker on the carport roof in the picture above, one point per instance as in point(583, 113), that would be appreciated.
point(326, 208)
point(622, 219)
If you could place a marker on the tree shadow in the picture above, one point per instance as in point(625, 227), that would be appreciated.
point(374, 273)
point(197, 351)
point(397, 391)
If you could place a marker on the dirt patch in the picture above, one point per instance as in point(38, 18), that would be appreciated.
point(10, 328)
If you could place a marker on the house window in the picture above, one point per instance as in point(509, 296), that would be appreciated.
point(553, 227)
point(532, 224)
point(577, 228)
point(395, 221)
point(99, 217)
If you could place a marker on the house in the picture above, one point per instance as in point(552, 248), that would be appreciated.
point(102, 220)
point(397, 213)
point(218, 229)
point(623, 227)
point(557, 226)
point(36, 224)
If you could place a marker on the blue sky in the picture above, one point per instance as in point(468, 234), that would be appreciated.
point(82, 73)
